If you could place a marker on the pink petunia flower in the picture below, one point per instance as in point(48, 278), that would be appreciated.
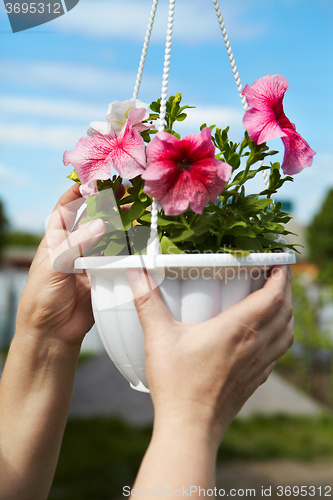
point(94, 156)
point(266, 120)
point(184, 172)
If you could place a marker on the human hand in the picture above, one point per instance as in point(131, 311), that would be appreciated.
point(53, 316)
point(55, 300)
point(202, 374)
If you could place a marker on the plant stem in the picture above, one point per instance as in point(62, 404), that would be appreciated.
point(184, 221)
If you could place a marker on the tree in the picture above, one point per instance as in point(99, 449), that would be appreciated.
point(320, 239)
point(3, 228)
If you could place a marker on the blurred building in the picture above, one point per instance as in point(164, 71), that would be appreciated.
point(13, 276)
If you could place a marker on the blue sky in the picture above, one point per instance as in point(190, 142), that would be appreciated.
point(58, 77)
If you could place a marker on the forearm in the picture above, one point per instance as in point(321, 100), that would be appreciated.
point(181, 458)
point(35, 395)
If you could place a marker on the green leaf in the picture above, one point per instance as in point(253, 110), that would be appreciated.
point(186, 107)
point(146, 217)
point(259, 204)
point(154, 116)
point(91, 206)
point(270, 243)
point(126, 221)
point(163, 223)
point(235, 252)
point(100, 247)
point(126, 200)
point(184, 236)
point(231, 222)
point(74, 177)
point(181, 117)
point(251, 244)
point(155, 106)
point(250, 174)
point(137, 209)
point(202, 227)
point(168, 247)
point(143, 197)
point(115, 247)
point(241, 231)
point(234, 160)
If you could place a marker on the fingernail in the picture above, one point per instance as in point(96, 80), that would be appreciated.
point(96, 227)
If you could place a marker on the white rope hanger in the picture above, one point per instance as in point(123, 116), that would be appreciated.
point(235, 72)
point(145, 49)
point(153, 243)
point(230, 54)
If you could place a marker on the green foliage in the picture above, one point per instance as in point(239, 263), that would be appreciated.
point(3, 229)
point(306, 328)
point(23, 239)
point(108, 457)
point(261, 438)
point(174, 112)
point(74, 177)
point(308, 363)
point(320, 239)
point(238, 222)
point(100, 456)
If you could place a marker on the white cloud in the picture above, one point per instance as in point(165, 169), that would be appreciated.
point(31, 219)
point(47, 135)
point(310, 187)
point(74, 77)
point(9, 177)
point(41, 136)
point(321, 168)
point(51, 108)
point(80, 111)
point(194, 20)
point(221, 116)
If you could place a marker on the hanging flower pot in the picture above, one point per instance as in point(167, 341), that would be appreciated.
point(194, 287)
point(187, 215)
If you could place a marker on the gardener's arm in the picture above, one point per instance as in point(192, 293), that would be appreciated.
point(36, 387)
point(201, 375)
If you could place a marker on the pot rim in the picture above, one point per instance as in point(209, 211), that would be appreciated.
point(185, 260)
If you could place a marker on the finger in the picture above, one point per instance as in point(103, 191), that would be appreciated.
point(266, 373)
point(80, 219)
point(281, 343)
point(261, 306)
point(152, 311)
point(76, 244)
point(278, 322)
point(63, 216)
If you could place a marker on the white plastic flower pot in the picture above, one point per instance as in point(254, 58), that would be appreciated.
point(195, 287)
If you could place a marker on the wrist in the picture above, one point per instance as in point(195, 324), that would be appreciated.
point(39, 345)
point(193, 422)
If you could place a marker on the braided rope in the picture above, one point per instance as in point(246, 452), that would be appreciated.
point(164, 95)
point(165, 81)
point(235, 72)
point(145, 49)
point(230, 53)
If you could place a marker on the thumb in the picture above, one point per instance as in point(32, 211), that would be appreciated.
point(76, 245)
point(152, 311)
